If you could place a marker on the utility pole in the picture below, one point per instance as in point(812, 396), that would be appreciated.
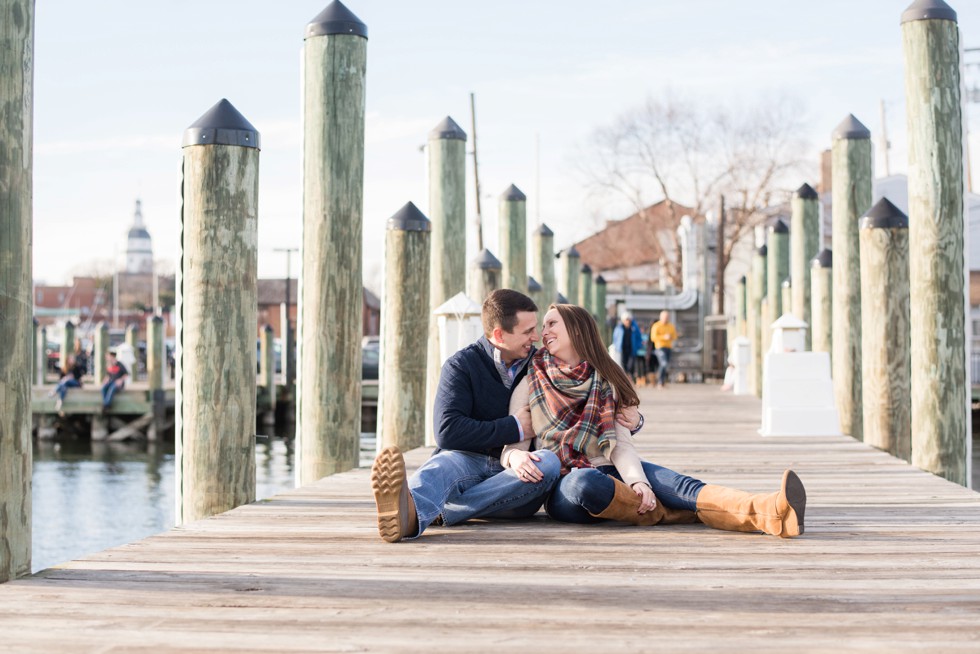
point(720, 274)
point(288, 365)
point(476, 176)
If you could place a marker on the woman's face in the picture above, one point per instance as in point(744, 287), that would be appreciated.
point(555, 337)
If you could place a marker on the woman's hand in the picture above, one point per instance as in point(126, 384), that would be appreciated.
point(522, 463)
point(629, 417)
point(648, 501)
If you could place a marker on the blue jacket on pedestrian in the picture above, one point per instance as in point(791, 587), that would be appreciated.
point(472, 405)
point(636, 338)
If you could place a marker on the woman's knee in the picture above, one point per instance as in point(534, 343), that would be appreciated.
point(588, 486)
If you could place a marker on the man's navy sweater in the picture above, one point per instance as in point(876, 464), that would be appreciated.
point(472, 405)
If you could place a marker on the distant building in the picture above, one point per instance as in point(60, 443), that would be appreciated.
point(139, 246)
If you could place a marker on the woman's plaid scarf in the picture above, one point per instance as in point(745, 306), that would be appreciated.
point(572, 410)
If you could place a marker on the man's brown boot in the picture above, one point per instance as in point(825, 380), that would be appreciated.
point(777, 514)
point(625, 502)
point(396, 508)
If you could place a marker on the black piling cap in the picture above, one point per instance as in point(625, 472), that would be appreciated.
point(928, 10)
point(222, 124)
point(532, 285)
point(544, 230)
point(823, 260)
point(763, 251)
point(779, 228)
point(409, 219)
point(513, 194)
point(447, 129)
point(571, 252)
point(586, 268)
point(788, 282)
point(486, 261)
point(336, 19)
point(600, 280)
point(806, 192)
point(743, 281)
point(560, 299)
point(884, 215)
point(851, 128)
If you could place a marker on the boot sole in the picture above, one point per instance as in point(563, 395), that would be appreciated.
point(796, 498)
point(387, 482)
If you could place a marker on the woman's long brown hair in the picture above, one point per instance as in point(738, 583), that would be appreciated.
point(584, 336)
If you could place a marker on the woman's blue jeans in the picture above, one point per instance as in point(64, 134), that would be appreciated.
point(585, 492)
point(68, 382)
point(461, 485)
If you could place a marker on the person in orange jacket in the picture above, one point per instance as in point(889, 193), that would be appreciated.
point(662, 336)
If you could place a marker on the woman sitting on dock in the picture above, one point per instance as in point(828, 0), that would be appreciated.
point(72, 377)
point(573, 388)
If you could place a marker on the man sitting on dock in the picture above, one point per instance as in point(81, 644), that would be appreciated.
point(115, 379)
point(464, 479)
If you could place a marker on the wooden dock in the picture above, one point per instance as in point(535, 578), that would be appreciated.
point(890, 562)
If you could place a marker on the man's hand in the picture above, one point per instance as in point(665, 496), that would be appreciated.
point(522, 463)
point(648, 501)
point(629, 417)
point(524, 417)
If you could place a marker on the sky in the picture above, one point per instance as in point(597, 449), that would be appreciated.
point(117, 82)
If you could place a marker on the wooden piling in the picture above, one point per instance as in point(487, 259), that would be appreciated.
point(217, 310)
point(484, 276)
point(741, 307)
point(331, 300)
point(534, 290)
point(885, 360)
point(757, 290)
point(67, 345)
point(585, 287)
point(804, 233)
point(940, 396)
point(404, 329)
point(446, 154)
point(852, 174)
point(267, 371)
point(570, 268)
point(787, 295)
point(778, 262)
point(766, 317)
point(40, 354)
point(821, 304)
point(598, 308)
point(543, 263)
point(16, 301)
point(156, 367)
point(100, 345)
point(513, 238)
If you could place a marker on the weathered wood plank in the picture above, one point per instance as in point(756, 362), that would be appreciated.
point(890, 562)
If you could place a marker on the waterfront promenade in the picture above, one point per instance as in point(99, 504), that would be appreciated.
point(890, 562)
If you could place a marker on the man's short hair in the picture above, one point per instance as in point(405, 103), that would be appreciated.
point(501, 308)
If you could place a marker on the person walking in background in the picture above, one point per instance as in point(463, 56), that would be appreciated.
point(627, 341)
point(115, 378)
point(662, 335)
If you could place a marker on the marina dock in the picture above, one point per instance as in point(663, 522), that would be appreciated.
point(890, 561)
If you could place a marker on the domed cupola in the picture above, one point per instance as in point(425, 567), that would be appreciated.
point(139, 247)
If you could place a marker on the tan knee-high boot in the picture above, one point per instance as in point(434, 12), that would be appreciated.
point(778, 514)
point(625, 503)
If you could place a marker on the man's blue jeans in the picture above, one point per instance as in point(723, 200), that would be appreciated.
point(663, 359)
point(461, 485)
point(585, 492)
point(108, 391)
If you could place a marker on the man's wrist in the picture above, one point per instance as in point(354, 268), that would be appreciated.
point(520, 429)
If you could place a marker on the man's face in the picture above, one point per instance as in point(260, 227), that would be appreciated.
point(517, 344)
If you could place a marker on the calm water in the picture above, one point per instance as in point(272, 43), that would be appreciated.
point(92, 496)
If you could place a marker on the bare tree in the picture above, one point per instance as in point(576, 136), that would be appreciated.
point(678, 151)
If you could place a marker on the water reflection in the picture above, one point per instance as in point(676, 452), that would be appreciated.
point(88, 496)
